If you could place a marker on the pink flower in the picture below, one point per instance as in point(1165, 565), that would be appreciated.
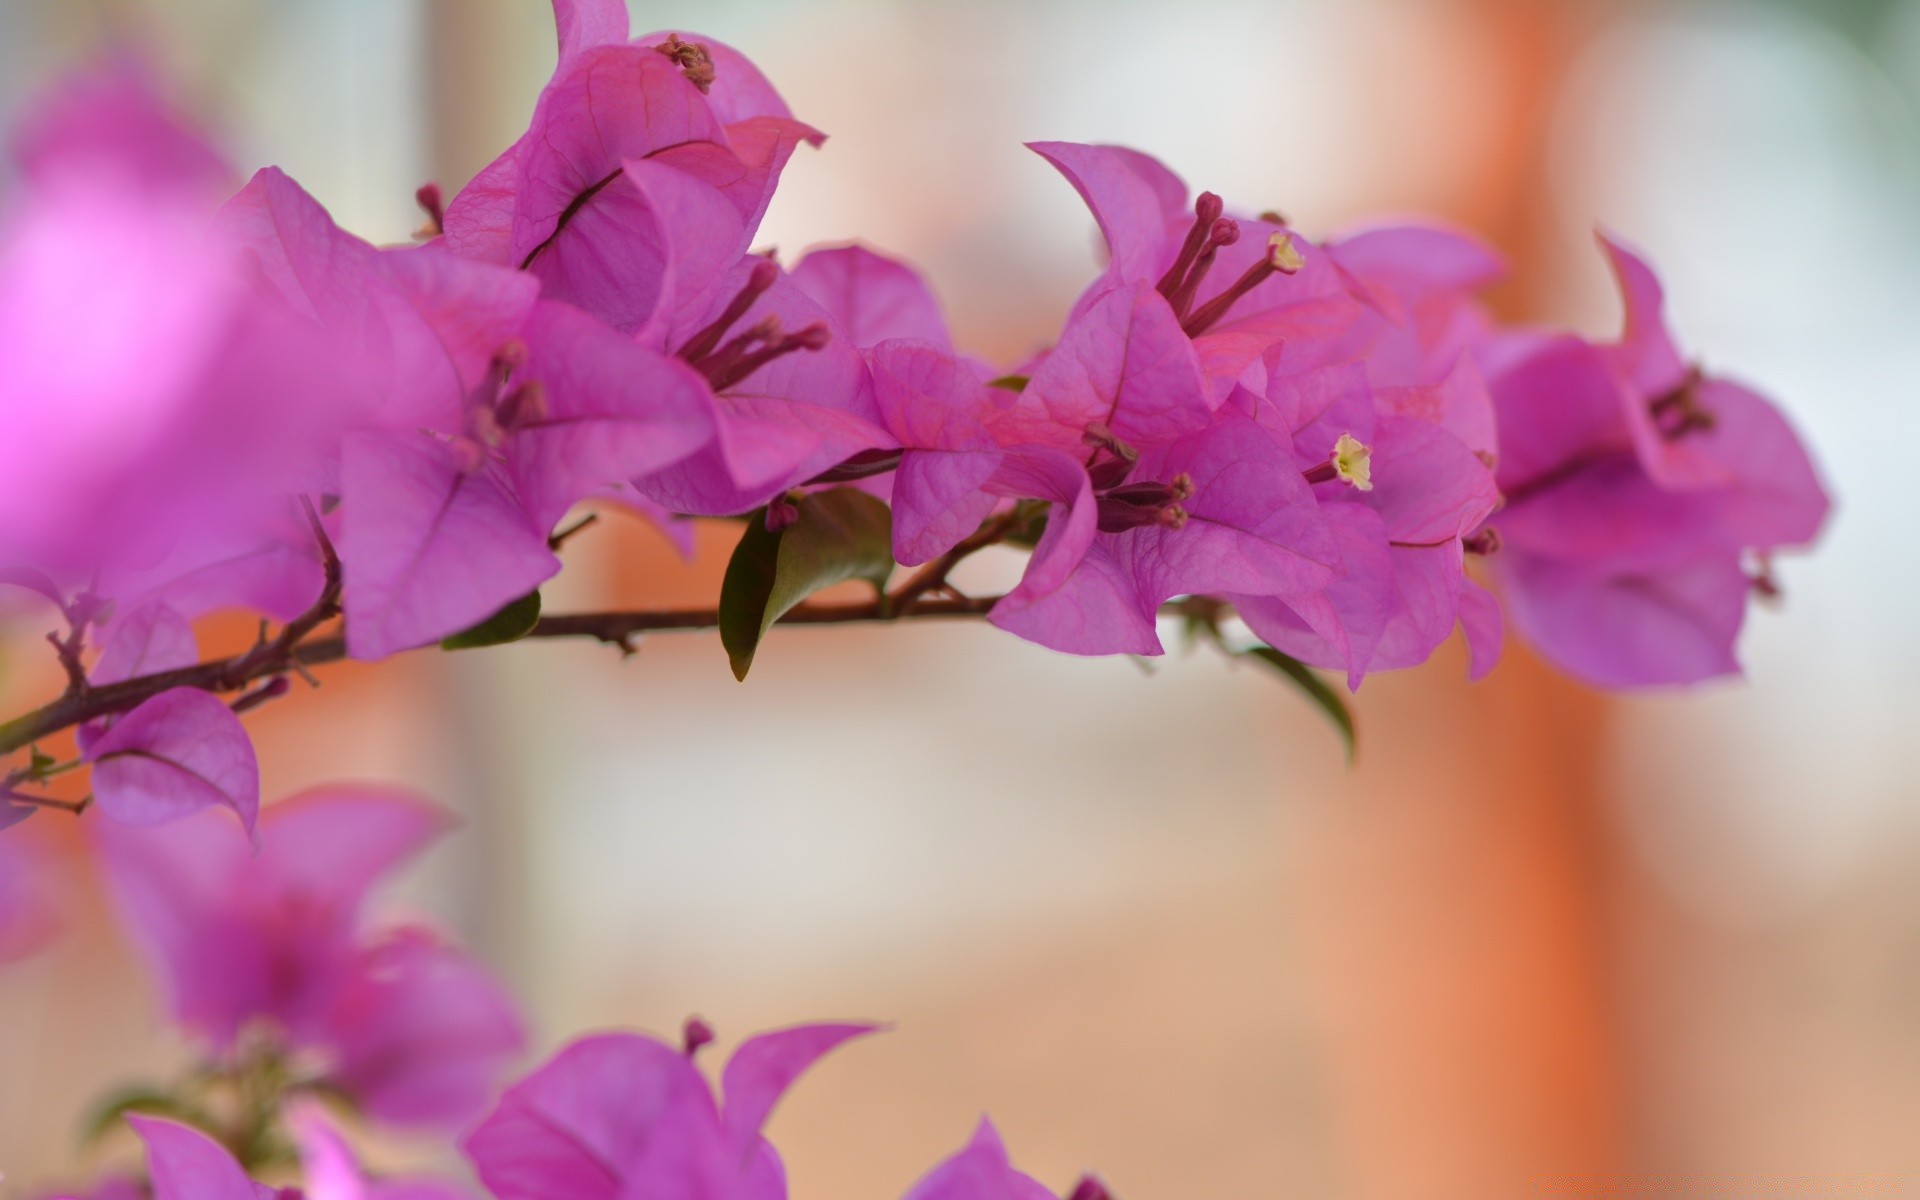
point(1173, 498)
point(433, 537)
point(412, 1029)
point(622, 1115)
point(134, 359)
point(1400, 528)
point(563, 203)
point(1643, 498)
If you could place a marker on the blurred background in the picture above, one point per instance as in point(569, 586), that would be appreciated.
point(1539, 943)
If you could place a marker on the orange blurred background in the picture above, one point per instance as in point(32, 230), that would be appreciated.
point(1539, 943)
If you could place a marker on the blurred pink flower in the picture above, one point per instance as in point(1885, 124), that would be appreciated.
point(1637, 489)
point(624, 1115)
point(412, 1029)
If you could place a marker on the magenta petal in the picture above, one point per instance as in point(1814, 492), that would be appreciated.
point(176, 890)
point(1097, 610)
point(748, 167)
point(980, 1171)
point(429, 548)
point(328, 846)
point(261, 572)
point(872, 297)
point(613, 410)
point(1427, 486)
point(646, 254)
point(606, 105)
point(1556, 402)
point(1134, 198)
point(1629, 630)
point(929, 398)
point(416, 327)
point(1340, 626)
point(422, 1033)
point(1428, 581)
point(461, 314)
point(1610, 511)
point(150, 639)
point(186, 1164)
point(1459, 403)
point(605, 1113)
point(176, 754)
point(764, 1067)
point(938, 499)
point(584, 24)
point(1777, 498)
point(479, 219)
point(702, 237)
point(1124, 362)
point(1254, 526)
point(1482, 622)
point(1419, 259)
point(1646, 352)
point(1071, 522)
point(1296, 401)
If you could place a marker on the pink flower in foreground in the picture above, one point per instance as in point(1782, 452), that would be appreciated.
point(134, 363)
point(621, 1116)
point(412, 1029)
point(564, 203)
point(1643, 498)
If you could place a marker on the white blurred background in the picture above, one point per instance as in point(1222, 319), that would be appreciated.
point(1538, 940)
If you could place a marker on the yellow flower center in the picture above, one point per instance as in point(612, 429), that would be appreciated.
point(1353, 462)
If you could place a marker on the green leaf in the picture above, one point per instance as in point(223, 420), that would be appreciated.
point(839, 535)
point(145, 1100)
point(1316, 689)
point(510, 624)
point(1013, 383)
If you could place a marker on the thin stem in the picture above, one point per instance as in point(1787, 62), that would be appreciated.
point(615, 628)
point(933, 576)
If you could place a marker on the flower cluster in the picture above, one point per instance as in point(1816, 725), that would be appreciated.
point(218, 404)
point(217, 400)
point(301, 1013)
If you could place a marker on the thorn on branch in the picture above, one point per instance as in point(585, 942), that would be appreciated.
point(68, 651)
point(272, 689)
point(560, 539)
point(75, 807)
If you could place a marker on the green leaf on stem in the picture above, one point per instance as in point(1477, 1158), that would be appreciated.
point(1317, 690)
point(510, 624)
point(839, 535)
